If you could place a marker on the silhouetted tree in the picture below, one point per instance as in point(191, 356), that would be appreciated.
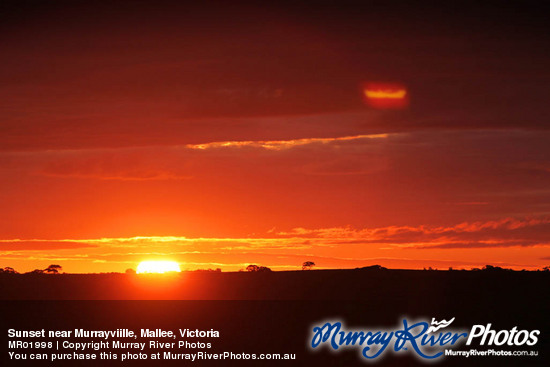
point(53, 269)
point(209, 270)
point(8, 270)
point(130, 271)
point(546, 268)
point(36, 271)
point(493, 268)
point(257, 269)
point(252, 268)
point(307, 265)
point(374, 267)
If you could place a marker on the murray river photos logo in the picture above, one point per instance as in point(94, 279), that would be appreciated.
point(427, 341)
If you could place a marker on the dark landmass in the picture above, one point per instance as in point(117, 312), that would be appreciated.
point(276, 311)
point(353, 284)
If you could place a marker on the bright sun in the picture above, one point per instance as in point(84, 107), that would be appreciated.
point(146, 267)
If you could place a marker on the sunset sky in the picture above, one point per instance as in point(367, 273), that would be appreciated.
point(225, 135)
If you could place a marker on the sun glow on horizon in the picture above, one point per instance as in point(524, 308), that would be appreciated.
point(157, 267)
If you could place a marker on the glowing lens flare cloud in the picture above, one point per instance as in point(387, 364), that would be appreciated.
point(385, 95)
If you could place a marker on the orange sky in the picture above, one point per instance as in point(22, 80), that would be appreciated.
point(222, 136)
